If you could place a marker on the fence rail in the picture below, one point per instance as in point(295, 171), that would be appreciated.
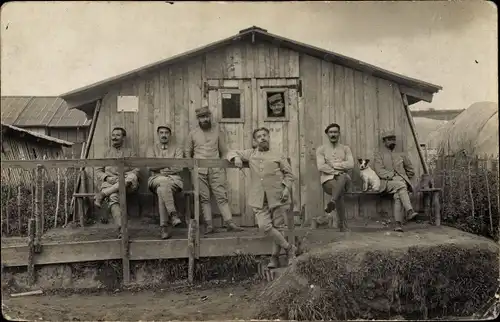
point(193, 244)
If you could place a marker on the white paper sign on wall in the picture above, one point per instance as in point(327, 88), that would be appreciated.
point(127, 104)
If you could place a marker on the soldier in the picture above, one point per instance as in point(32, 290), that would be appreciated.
point(109, 176)
point(276, 105)
point(269, 194)
point(165, 182)
point(334, 160)
point(207, 142)
point(395, 171)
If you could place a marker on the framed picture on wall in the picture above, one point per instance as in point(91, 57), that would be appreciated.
point(276, 104)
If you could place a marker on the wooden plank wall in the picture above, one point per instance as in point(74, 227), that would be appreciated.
point(360, 103)
point(173, 94)
point(363, 106)
point(77, 135)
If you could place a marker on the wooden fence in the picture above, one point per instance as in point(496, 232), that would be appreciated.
point(35, 228)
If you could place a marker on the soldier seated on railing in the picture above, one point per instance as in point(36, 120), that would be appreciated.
point(109, 176)
point(165, 182)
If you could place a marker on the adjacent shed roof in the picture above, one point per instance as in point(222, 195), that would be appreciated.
point(51, 111)
point(87, 94)
point(6, 128)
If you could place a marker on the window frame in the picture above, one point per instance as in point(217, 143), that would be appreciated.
point(221, 92)
point(285, 92)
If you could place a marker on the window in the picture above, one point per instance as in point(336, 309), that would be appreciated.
point(231, 107)
point(127, 104)
point(276, 104)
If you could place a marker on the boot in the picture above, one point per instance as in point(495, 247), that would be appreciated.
point(291, 253)
point(98, 198)
point(330, 206)
point(399, 227)
point(411, 214)
point(175, 219)
point(165, 232)
point(275, 255)
point(231, 226)
point(207, 215)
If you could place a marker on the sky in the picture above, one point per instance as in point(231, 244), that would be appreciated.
point(49, 48)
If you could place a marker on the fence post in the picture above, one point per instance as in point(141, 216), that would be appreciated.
point(124, 223)
point(31, 251)
point(196, 184)
point(38, 225)
point(19, 222)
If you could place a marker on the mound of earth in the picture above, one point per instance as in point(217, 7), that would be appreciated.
point(420, 274)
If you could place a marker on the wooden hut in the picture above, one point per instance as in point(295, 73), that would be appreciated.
point(22, 144)
point(234, 76)
point(47, 115)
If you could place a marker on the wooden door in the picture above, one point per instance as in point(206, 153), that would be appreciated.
point(230, 102)
point(284, 126)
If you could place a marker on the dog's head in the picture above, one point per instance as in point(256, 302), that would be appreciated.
point(363, 163)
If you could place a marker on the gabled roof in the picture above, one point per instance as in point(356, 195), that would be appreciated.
point(40, 111)
point(6, 128)
point(90, 93)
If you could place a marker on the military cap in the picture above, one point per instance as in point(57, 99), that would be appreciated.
point(202, 111)
point(165, 126)
point(388, 134)
point(274, 98)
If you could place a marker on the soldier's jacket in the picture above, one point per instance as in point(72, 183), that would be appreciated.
point(169, 151)
point(270, 172)
point(210, 144)
point(388, 164)
point(109, 171)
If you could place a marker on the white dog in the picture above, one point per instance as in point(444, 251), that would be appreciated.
point(371, 181)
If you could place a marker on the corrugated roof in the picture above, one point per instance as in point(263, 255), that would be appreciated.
point(40, 111)
point(86, 94)
point(12, 107)
point(36, 135)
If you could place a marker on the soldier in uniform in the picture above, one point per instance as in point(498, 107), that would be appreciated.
point(165, 182)
point(395, 171)
point(334, 160)
point(108, 176)
point(207, 142)
point(270, 189)
point(276, 105)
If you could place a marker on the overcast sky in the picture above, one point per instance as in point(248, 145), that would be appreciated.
point(51, 48)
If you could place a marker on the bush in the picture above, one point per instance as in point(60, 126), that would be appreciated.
point(386, 278)
point(470, 194)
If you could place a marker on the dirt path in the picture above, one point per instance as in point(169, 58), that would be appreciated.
point(205, 302)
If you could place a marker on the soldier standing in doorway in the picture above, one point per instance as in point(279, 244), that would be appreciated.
point(334, 160)
point(395, 171)
point(270, 191)
point(165, 182)
point(109, 176)
point(207, 142)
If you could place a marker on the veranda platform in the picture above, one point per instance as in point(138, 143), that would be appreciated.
point(99, 242)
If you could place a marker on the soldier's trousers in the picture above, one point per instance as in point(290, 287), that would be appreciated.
point(165, 187)
point(270, 220)
point(397, 187)
point(336, 188)
point(214, 180)
point(112, 190)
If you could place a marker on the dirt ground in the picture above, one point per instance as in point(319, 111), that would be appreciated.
point(205, 302)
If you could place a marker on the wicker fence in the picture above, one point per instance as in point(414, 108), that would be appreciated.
point(470, 192)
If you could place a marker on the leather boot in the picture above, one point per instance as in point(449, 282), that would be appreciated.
point(165, 232)
point(228, 218)
point(98, 198)
point(411, 214)
point(207, 215)
point(275, 255)
point(175, 219)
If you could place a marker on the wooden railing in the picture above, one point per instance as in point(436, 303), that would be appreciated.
point(34, 238)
